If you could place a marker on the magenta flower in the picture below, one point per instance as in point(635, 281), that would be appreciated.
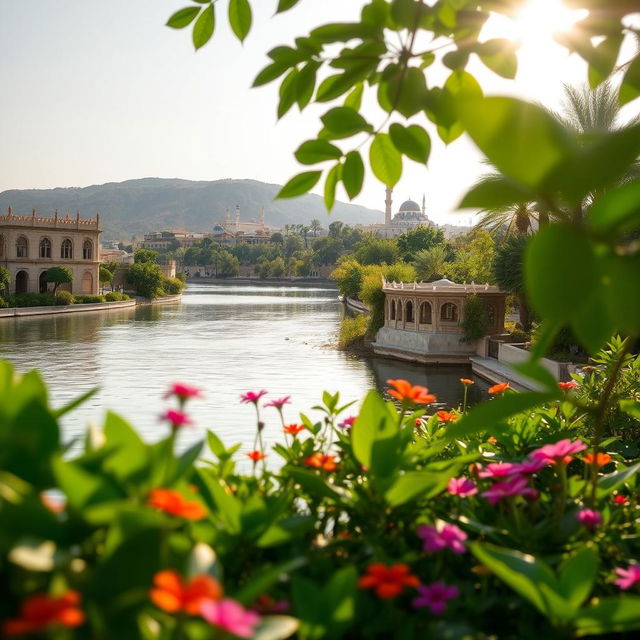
point(530, 465)
point(230, 616)
point(278, 404)
point(176, 418)
point(347, 423)
point(182, 391)
point(435, 597)
point(589, 518)
point(497, 470)
point(559, 452)
point(462, 487)
point(510, 488)
point(628, 577)
point(441, 536)
point(252, 396)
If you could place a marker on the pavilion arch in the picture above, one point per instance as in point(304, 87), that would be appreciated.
point(22, 247)
point(22, 281)
point(399, 308)
point(86, 285)
point(87, 250)
point(44, 250)
point(392, 310)
point(66, 249)
point(43, 285)
point(425, 313)
point(2, 246)
point(408, 311)
point(449, 312)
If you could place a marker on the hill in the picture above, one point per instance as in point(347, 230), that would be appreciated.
point(134, 207)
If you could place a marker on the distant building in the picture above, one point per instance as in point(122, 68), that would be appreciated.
point(409, 216)
point(29, 245)
point(235, 232)
point(165, 240)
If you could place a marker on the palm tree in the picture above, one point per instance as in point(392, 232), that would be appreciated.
point(315, 227)
point(429, 263)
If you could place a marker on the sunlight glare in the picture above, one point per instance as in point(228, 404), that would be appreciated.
point(540, 19)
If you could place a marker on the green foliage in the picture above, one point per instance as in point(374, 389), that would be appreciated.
point(145, 256)
point(115, 296)
point(348, 276)
point(172, 286)
point(146, 279)
point(376, 251)
point(106, 275)
point(352, 330)
point(85, 299)
point(5, 278)
point(31, 299)
point(418, 239)
point(64, 298)
point(58, 275)
point(475, 319)
point(473, 259)
point(430, 264)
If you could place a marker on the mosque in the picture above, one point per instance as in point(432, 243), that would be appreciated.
point(408, 216)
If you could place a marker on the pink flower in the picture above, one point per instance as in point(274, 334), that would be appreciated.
point(462, 487)
point(589, 518)
point(441, 536)
point(530, 465)
point(230, 616)
point(176, 418)
point(497, 470)
point(628, 577)
point(278, 404)
point(182, 391)
point(252, 396)
point(510, 488)
point(435, 597)
point(559, 452)
point(347, 423)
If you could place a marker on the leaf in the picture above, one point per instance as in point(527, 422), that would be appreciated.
point(265, 577)
point(82, 488)
point(630, 88)
point(413, 484)
point(608, 615)
point(578, 575)
point(385, 160)
point(227, 506)
point(299, 184)
point(495, 194)
point(283, 531)
point(313, 484)
point(330, 186)
point(183, 17)
point(305, 83)
point(354, 99)
point(269, 73)
point(522, 140)
point(487, 415)
point(216, 445)
point(407, 92)
point(76, 402)
point(319, 150)
point(275, 627)
point(240, 18)
point(131, 454)
point(616, 209)
point(413, 141)
point(204, 26)
point(620, 293)
point(612, 481)
point(537, 372)
point(462, 84)
point(285, 5)
point(499, 55)
point(287, 92)
point(630, 407)
point(560, 269)
point(353, 174)
point(343, 122)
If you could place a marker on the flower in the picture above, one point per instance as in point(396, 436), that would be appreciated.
point(172, 594)
point(404, 392)
point(441, 536)
point(628, 577)
point(620, 499)
point(566, 386)
point(41, 610)
point(230, 616)
point(347, 423)
point(530, 465)
point(252, 396)
point(182, 391)
point(466, 381)
point(599, 460)
point(294, 429)
point(388, 581)
point(446, 416)
point(498, 388)
point(435, 597)
point(256, 455)
point(589, 518)
point(559, 452)
point(176, 418)
point(509, 488)
point(172, 502)
point(278, 404)
point(462, 487)
point(55, 503)
point(321, 461)
point(266, 604)
point(497, 470)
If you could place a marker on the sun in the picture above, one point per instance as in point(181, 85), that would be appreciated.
point(539, 20)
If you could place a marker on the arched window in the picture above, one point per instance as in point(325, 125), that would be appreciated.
point(22, 247)
point(66, 249)
point(1, 246)
point(449, 311)
point(45, 248)
point(399, 310)
point(22, 282)
point(425, 313)
point(87, 250)
point(409, 311)
point(393, 310)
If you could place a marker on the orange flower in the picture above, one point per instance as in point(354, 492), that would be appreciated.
point(404, 392)
point(566, 386)
point(599, 460)
point(294, 429)
point(54, 504)
point(492, 440)
point(256, 455)
point(388, 582)
point(41, 610)
point(446, 416)
point(466, 381)
point(498, 388)
point(172, 595)
point(320, 461)
point(172, 502)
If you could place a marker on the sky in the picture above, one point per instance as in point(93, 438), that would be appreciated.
point(97, 92)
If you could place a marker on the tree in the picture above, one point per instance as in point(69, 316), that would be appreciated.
point(418, 239)
point(430, 263)
point(146, 279)
point(508, 273)
point(228, 265)
point(277, 238)
point(475, 319)
point(58, 275)
point(348, 275)
point(335, 229)
point(145, 255)
point(5, 278)
point(373, 250)
point(473, 259)
point(315, 226)
point(292, 244)
point(326, 250)
point(105, 275)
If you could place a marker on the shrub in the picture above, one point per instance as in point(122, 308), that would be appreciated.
point(64, 298)
point(88, 299)
point(31, 300)
point(146, 279)
point(172, 286)
point(3, 303)
point(475, 319)
point(352, 330)
point(116, 296)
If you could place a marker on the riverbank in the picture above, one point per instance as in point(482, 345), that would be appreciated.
point(286, 282)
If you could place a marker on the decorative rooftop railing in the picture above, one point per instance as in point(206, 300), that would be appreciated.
point(439, 286)
point(66, 222)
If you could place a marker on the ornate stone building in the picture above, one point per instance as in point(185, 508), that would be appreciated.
point(29, 245)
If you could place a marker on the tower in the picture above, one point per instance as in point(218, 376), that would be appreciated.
point(387, 206)
point(262, 217)
point(237, 218)
point(423, 205)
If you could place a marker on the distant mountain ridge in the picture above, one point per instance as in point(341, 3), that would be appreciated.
point(137, 206)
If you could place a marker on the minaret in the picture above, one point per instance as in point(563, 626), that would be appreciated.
point(262, 217)
point(227, 216)
point(423, 205)
point(387, 206)
point(237, 218)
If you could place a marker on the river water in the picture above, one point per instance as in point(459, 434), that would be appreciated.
point(223, 338)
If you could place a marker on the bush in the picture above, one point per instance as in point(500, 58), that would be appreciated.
point(172, 286)
point(3, 303)
point(352, 330)
point(116, 296)
point(64, 298)
point(31, 300)
point(88, 299)
point(475, 320)
point(146, 279)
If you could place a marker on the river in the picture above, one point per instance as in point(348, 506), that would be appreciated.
point(225, 339)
